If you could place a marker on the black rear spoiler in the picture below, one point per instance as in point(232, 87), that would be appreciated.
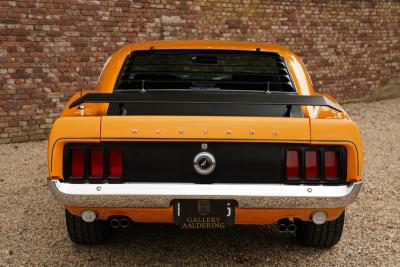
point(219, 98)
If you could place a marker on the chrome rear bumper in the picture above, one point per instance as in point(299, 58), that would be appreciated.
point(161, 194)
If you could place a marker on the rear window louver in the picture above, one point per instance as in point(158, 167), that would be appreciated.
point(181, 69)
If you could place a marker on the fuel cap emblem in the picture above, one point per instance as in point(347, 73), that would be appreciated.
point(204, 163)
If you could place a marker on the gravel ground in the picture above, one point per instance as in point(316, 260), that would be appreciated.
point(33, 230)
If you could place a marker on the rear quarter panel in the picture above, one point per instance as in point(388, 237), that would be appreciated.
point(341, 132)
point(70, 130)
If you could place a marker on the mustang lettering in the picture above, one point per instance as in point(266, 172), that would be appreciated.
point(206, 135)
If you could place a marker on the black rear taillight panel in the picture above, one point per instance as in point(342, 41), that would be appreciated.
point(320, 178)
point(88, 176)
point(172, 162)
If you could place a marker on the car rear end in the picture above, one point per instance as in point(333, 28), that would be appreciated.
point(205, 139)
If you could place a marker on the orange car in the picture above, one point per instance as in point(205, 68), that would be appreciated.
point(205, 134)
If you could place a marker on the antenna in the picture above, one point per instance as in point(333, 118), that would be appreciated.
point(268, 91)
point(143, 90)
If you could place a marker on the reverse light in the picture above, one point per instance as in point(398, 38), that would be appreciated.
point(88, 216)
point(319, 217)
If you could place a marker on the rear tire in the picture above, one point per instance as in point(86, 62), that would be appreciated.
point(84, 233)
point(324, 235)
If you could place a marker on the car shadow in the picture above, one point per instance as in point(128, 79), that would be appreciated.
point(239, 244)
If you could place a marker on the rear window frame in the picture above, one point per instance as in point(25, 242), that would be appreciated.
point(211, 51)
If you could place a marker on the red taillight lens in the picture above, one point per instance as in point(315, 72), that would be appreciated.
point(96, 162)
point(331, 165)
point(292, 165)
point(77, 163)
point(116, 162)
point(312, 165)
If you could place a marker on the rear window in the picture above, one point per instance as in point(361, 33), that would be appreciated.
point(205, 69)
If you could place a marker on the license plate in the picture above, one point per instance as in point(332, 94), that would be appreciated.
point(204, 213)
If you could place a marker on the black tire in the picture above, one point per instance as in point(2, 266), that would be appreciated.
point(324, 235)
point(84, 233)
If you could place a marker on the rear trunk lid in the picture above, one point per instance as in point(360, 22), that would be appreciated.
point(183, 128)
point(163, 148)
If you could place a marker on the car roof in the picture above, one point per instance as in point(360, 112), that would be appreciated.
point(206, 44)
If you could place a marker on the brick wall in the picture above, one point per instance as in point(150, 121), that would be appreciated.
point(49, 49)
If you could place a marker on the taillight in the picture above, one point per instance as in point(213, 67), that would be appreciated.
point(315, 164)
point(96, 162)
point(115, 163)
point(93, 163)
point(312, 165)
point(77, 163)
point(292, 165)
point(331, 164)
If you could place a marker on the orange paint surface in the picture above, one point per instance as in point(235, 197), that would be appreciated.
point(320, 125)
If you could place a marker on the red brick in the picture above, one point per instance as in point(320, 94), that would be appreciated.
point(51, 50)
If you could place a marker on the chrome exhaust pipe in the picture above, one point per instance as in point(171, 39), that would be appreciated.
point(282, 227)
point(124, 222)
point(114, 223)
point(292, 228)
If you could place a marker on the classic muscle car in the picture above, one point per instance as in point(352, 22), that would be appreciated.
point(205, 134)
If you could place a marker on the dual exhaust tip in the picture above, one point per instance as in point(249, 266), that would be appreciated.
point(287, 226)
point(90, 216)
point(120, 223)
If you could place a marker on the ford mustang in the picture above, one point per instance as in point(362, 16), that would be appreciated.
point(204, 135)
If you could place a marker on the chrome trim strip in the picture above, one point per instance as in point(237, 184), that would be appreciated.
point(161, 194)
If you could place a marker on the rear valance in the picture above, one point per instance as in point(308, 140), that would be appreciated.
point(206, 98)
